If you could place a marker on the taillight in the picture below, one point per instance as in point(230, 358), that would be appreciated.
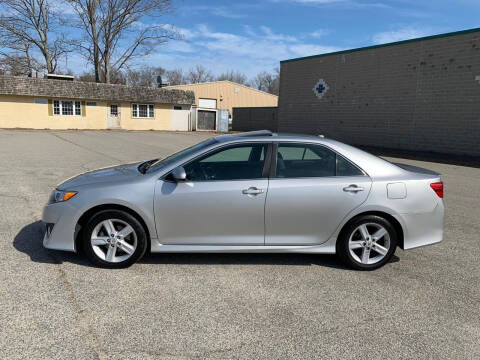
point(438, 188)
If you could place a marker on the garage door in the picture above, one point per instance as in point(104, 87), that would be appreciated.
point(206, 120)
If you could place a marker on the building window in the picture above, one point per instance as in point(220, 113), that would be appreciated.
point(78, 108)
point(177, 108)
point(67, 107)
point(113, 110)
point(143, 111)
point(56, 107)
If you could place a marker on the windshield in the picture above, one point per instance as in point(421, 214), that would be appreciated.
point(162, 163)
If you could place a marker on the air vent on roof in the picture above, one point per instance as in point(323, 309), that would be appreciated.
point(256, 133)
point(59, 77)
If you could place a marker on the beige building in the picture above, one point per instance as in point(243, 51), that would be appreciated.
point(223, 95)
point(61, 104)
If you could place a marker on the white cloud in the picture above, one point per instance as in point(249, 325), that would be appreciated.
point(230, 12)
point(251, 51)
point(405, 33)
point(226, 13)
point(310, 49)
point(318, 1)
point(319, 33)
point(343, 3)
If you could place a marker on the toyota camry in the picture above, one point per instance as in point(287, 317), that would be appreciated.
point(251, 192)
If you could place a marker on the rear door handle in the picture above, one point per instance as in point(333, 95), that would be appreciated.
point(252, 191)
point(353, 188)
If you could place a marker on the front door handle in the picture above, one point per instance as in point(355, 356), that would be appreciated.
point(252, 191)
point(353, 188)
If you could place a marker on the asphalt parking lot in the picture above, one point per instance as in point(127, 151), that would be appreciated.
point(54, 305)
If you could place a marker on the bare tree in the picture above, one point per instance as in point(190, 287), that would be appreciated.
point(18, 65)
point(175, 77)
point(31, 23)
point(268, 82)
point(86, 77)
point(143, 76)
point(115, 77)
point(115, 34)
point(199, 74)
point(234, 76)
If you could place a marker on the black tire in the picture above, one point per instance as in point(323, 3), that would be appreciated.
point(141, 238)
point(342, 247)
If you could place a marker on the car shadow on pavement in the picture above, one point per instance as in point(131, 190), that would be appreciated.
point(323, 260)
point(244, 259)
point(29, 240)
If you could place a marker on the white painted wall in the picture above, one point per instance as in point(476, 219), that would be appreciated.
point(180, 119)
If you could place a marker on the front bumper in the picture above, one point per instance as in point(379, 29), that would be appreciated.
point(62, 219)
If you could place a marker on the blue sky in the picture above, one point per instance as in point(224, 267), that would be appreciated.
point(251, 36)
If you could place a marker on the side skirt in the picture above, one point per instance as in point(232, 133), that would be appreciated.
point(326, 248)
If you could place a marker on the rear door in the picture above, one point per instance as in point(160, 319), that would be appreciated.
point(311, 191)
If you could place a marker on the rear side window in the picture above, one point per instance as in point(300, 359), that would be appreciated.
point(298, 160)
point(308, 160)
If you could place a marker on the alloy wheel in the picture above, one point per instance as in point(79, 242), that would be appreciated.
point(369, 243)
point(113, 240)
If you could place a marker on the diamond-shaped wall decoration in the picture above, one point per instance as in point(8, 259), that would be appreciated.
point(320, 88)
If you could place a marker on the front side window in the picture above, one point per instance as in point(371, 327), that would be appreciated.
point(308, 160)
point(238, 162)
point(143, 111)
point(67, 107)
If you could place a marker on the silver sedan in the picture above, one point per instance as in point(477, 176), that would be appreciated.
point(252, 192)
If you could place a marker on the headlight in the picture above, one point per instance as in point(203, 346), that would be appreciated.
point(59, 196)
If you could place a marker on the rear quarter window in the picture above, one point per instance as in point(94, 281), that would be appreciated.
point(346, 168)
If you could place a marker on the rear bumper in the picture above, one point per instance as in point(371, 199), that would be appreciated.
point(423, 228)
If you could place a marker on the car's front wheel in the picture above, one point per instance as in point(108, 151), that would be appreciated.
point(367, 242)
point(114, 239)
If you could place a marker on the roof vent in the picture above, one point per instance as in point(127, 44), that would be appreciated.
point(59, 77)
point(256, 133)
point(160, 82)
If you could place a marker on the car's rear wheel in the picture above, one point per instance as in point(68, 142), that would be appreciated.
point(114, 239)
point(367, 242)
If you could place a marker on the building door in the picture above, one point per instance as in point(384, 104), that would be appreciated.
point(206, 120)
point(113, 116)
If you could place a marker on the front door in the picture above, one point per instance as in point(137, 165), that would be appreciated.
point(113, 116)
point(311, 193)
point(221, 202)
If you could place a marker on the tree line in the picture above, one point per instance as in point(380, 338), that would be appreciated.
point(148, 76)
point(111, 35)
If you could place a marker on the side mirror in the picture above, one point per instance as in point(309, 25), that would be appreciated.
point(179, 174)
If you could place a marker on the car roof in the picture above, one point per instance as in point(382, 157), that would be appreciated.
point(371, 164)
point(262, 135)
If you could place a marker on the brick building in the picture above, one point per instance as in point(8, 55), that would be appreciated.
point(421, 94)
